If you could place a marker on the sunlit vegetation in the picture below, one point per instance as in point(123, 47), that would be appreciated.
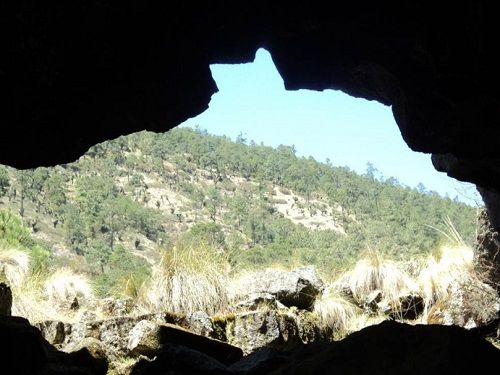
point(171, 219)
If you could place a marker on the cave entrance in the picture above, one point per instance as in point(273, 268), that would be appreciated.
point(271, 207)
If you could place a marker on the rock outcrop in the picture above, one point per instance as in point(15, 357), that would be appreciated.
point(387, 348)
point(487, 249)
point(283, 330)
point(298, 287)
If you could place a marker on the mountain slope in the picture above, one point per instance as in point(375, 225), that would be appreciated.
point(261, 205)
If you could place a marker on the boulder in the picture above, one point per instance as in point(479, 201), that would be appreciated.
point(298, 287)
point(94, 347)
point(113, 333)
point(221, 351)
point(144, 339)
point(256, 300)
point(85, 357)
point(255, 330)
point(487, 248)
point(148, 339)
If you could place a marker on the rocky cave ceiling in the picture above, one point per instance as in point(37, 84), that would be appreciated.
point(75, 73)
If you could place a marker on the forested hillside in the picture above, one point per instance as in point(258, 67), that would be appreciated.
point(117, 209)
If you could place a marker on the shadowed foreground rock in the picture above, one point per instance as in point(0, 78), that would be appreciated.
point(155, 338)
point(395, 348)
point(387, 348)
point(23, 351)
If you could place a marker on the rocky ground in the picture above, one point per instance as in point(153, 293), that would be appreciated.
point(271, 328)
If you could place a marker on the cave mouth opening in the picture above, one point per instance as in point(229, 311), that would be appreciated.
point(279, 206)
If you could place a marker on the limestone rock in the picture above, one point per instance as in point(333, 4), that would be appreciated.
point(144, 339)
point(149, 339)
point(298, 287)
point(113, 333)
point(94, 347)
point(487, 248)
point(258, 329)
point(221, 351)
point(200, 323)
point(90, 352)
point(255, 300)
point(251, 331)
point(470, 303)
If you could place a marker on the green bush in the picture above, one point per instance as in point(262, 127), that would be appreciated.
point(125, 275)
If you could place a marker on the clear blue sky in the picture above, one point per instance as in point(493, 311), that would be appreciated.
point(328, 124)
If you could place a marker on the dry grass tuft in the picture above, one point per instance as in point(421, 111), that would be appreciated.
point(25, 286)
point(64, 285)
point(373, 274)
point(29, 302)
point(335, 312)
point(189, 278)
point(39, 298)
point(14, 265)
point(438, 274)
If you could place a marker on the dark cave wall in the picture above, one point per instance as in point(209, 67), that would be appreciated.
point(76, 73)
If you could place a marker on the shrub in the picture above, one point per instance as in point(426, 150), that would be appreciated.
point(125, 276)
point(12, 230)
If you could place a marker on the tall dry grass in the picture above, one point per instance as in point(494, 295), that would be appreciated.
point(439, 273)
point(14, 265)
point(38, 296)
point(25, 286)
point(375, 275)
point(335, 311)
point(64, 285)
point(190, 277)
